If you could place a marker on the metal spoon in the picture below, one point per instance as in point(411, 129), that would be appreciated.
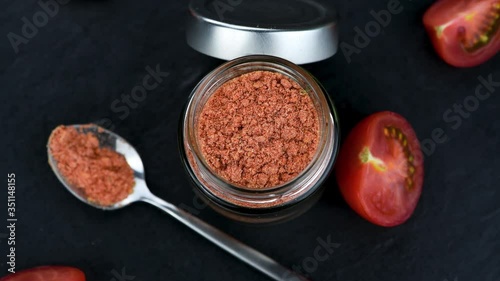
point(141, 192)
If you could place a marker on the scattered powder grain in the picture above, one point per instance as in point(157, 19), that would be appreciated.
point(102, 174)
point(258, 130)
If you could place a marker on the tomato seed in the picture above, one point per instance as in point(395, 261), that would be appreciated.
point(409, 182)
point(411, 170)
point(393, 132)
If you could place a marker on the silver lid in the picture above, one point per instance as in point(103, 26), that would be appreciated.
point(301, 31)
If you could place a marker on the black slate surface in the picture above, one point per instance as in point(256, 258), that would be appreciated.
point(90, 53)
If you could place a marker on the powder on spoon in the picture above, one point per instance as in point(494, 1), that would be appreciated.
point(258, 130)
point(103, 175)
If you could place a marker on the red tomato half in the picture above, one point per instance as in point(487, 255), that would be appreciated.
point(380, 169)
point(47, 273)
point(465, 33)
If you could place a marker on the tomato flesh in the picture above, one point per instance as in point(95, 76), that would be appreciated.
point(465, 33)
point(47, 273)
point(380, 169)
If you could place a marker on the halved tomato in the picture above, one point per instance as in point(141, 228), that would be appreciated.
point(380, 169)
point(465, 33)
point(47, 273)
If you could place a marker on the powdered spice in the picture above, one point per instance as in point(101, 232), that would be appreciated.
point(103, 175)
point(258, 130)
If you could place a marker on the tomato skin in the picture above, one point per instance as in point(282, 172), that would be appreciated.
point(47, 273)
point(379, 197)
point(449, 16)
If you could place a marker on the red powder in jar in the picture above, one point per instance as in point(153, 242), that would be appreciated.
point(103, 175)
point(258, 130)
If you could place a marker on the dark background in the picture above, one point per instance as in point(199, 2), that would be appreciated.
point(92, 52)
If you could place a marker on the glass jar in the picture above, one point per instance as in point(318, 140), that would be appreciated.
point(264, 205)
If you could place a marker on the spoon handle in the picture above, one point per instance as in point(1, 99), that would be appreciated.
point(236, 248)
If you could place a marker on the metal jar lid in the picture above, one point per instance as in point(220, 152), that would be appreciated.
point(301, 31)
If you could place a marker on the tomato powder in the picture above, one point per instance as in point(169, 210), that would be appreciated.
point(259, 130)
point(102, 174)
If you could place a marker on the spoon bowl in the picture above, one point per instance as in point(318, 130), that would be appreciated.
point(114, 142)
